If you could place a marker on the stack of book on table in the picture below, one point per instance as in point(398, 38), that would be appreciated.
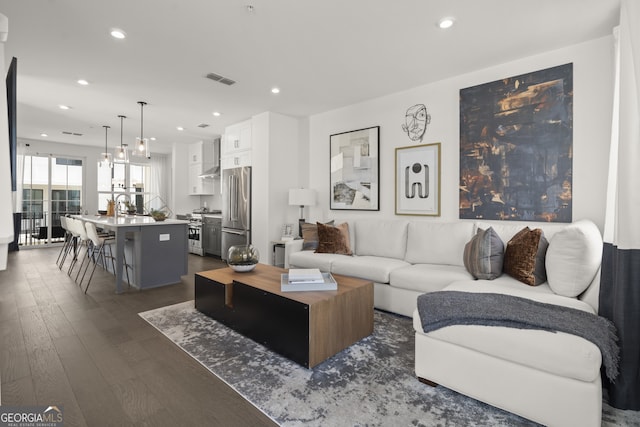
point(307, 279)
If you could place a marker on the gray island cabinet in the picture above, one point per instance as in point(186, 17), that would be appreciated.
point(156, 251)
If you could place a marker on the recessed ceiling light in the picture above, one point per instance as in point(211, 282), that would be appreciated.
point(180, 128)
point(153, 138)
point(445, 23)
point(216, 113)
point(117, 33)
point(44, 135)
point(275, 90)
point(64, 107)
point(83, 82)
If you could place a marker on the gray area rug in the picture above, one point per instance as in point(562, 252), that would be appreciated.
point(372, 383)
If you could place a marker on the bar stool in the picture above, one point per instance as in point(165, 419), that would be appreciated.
point(68, 242)
point(100, 244)
point(79, 239)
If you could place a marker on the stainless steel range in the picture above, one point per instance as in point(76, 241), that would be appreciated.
point(195, 234)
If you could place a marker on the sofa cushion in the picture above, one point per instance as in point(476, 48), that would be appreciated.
point(506, 284)
point(484, 254)
point(558, 353)
point(427, 277)
point(310, 235)
point(437, 243)
point(524, 256)
point(573, 258)
point(308, 259)
point(381, 238)
point(376, 269)
point(333, 240)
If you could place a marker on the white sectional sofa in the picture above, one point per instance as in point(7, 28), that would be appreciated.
point(551, 378)
point(403, 259)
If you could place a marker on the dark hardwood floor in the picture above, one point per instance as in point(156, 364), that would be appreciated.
point(97, 358)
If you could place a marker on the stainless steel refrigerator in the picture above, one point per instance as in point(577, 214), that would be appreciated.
point(236, 208)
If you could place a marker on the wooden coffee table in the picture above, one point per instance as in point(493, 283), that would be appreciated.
point(306, 327)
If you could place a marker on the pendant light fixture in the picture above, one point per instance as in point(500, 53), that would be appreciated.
point(142, 144)
point(105, 158)
point(122, 155)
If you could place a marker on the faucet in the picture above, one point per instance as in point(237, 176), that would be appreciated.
point(117, 206)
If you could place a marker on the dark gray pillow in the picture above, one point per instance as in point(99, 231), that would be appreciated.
point(484, 255)
point(540, 272)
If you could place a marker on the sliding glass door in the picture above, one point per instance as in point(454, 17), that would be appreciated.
point(51, 188)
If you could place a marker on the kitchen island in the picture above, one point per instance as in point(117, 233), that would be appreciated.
point(156, 251)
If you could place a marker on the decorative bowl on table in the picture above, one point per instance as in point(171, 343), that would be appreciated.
point(101, 212)
point(159, 215)
point(243, 258)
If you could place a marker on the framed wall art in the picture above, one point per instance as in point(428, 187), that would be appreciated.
point(355, 165)
point(516, 148)
point(418, 180)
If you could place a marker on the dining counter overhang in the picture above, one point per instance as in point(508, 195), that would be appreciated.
point(156, 250)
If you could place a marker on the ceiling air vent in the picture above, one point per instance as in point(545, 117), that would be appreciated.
point(64, 132)
point(220, 79)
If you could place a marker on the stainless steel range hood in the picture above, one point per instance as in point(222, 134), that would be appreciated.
point(213, 172)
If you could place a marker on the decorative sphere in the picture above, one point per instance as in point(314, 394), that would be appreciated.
point(243, 258)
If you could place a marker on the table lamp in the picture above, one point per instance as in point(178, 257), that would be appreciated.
point(302, 197)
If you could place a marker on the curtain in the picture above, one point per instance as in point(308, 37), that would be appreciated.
point(620, 278)
point(17, 207)
point(159, 185)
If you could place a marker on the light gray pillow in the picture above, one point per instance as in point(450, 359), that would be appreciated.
point(484, 255)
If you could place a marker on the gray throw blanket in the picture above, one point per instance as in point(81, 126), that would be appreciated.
point(446, 308)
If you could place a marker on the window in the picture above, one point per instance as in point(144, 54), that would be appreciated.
point(124, 178)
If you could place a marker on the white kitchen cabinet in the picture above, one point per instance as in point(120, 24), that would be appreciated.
point(236, 160)
point(201, 152)
point(200, 159)
point(236, 146)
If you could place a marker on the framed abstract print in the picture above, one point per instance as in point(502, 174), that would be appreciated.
point(418, 180)
point(355, 167)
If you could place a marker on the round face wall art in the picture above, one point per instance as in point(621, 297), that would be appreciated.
point(416, 120)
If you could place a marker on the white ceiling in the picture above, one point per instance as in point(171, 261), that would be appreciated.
point(323, 54)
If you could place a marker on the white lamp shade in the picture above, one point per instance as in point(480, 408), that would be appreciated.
point(302, 197)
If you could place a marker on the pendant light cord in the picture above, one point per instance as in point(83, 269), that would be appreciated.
point(121, 121)
point(105, 140)
point(142, 104)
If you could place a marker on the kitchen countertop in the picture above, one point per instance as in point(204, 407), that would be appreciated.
point(127, 220)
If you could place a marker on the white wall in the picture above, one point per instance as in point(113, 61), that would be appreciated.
point(274, 144)
point(593, 97)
